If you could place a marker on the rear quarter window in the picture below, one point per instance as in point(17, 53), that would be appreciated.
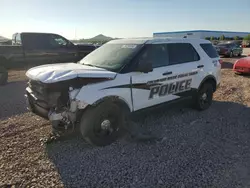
point(210, 50)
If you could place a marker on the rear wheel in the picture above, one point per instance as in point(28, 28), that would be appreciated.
point(3, 75)
point(103, 124)
point(204, 97)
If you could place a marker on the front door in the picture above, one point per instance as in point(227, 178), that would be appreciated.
point(146, 86)
point(64, 50)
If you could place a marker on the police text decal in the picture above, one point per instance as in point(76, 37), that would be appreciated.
point(170, 88)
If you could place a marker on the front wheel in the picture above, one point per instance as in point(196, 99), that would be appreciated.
point(204, 97)
point(103, 124)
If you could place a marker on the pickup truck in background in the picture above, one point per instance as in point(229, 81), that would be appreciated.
point(32, 49)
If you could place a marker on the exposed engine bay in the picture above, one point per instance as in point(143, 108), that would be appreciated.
point(56, 101)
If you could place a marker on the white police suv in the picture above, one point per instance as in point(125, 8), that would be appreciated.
point(122, 76)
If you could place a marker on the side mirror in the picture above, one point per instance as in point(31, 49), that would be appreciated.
point(145, 67)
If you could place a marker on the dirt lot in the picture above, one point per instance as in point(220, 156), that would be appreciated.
point(198, 149)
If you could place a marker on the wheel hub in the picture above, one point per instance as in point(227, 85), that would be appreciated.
point(106, 124)
point(204, 96)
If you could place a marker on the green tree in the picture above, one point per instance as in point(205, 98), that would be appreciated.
point(222, 37)
point(207, 38)
point(236, 38)
point(247, 37)
point(211, 38)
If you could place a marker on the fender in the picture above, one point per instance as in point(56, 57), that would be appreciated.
point(209, 78)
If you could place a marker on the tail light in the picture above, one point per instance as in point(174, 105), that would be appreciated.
point(221, 61)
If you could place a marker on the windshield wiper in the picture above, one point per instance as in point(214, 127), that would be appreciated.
point(91, 65)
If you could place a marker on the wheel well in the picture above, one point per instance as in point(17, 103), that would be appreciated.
point(115, 99)
point(210, 80)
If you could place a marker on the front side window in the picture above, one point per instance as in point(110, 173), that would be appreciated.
point(111, 56)
point(35, 41)
point(182, 53)
point(157, 54)
point(57, 41)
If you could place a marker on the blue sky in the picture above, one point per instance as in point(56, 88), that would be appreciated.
point(121, 18)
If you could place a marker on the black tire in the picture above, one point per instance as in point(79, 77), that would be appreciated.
point(204, 97)
point(239, 55)
point(3, 75)
point(92, 119)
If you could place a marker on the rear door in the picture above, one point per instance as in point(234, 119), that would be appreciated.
point(186, 66)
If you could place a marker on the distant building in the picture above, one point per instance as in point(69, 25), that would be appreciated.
point(201, 34)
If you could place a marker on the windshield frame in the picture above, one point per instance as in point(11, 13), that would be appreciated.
point(123, 63)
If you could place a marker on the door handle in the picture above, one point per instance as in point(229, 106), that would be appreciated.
point(167, 73)
point(200, 66)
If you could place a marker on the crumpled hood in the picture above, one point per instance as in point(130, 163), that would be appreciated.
point(52, 73)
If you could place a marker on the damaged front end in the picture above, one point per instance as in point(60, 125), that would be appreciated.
point(56, 101)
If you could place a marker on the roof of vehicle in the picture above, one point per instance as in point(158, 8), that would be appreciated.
point(155, 40)
point(35, 33)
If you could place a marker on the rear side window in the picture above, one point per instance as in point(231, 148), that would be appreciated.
point(182, 53)
point(35, 41)
point(210, 50)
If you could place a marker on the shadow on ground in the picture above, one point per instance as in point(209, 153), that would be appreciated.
point(203, 149)
point(227, 65)
point(229, 62)
point(12, 101)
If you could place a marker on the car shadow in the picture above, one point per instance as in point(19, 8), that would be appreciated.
point(208, 148)
point(12, 101)
point(227, 65)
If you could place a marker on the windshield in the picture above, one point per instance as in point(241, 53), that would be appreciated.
point(111, 56)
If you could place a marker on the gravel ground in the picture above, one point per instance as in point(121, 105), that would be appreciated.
point(198, 149)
